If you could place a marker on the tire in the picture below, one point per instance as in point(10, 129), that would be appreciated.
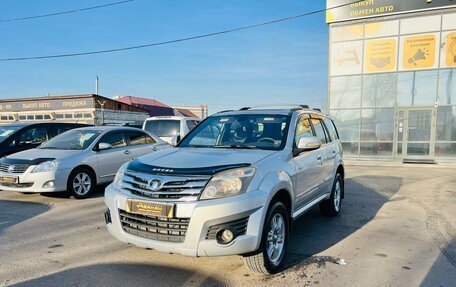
point(332, 206)
point(74, 186)
point(260, 261)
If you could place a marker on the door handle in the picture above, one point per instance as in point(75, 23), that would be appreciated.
point(319, 157)
point(334, 151)
point(127, 152)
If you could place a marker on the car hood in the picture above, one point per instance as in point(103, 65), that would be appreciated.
point(34, 154)
point(188, 158)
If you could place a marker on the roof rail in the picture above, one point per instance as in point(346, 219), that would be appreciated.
point(224, 111)
point(304, 106)
point(244, 109)
point(317, 109)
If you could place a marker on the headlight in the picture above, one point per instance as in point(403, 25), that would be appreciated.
point(47, 166)
point(228, 183)
point(118, 178)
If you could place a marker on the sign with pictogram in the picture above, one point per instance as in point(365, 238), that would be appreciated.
point(419, 52)
point(450, 53)
point(380, 55)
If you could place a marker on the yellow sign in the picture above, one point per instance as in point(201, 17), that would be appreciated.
point(380, 55)
point(451, 50)
point(419, 52)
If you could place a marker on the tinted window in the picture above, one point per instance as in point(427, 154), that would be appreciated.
point(163, 128)
point(319, 130)
point(115, 139)
point(7, 131)
point(331, 129)
point(35, 135)
point(139, 138)
point(303, 129)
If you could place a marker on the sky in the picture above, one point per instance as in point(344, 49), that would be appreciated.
point(282, 63)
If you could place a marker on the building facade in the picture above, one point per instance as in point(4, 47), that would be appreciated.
point(392, 78)
point(88, 109)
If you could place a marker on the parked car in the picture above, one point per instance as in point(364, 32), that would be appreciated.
point(233, 185)
point(76, 161)
point(169, 127)
point(16, 137)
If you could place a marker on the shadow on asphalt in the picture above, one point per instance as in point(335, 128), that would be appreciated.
point(97, 193)
point(116, 274)
point(13, 212)
point(312, 233)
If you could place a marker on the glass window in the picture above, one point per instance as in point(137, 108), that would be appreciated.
point(377, 125)
point(149, 139)
point(88, 115)
point(379, 90)
point(22, 118)
point(72, 140)
point(68, 116)
point(303, 129)
point(7, 131)
point(39, 117)
point(47, 117)
point(163, 128)
point(319, 130)
point(4, 118)
point(445, 149)
point(59, 116)
point(138, 138)
point(416, 88)
point(447, 87)
point(35, 135)
point(191, 125)
point(30, 117)
point(345, 92)
point(347, 122)
point(446, 124)
point(331, 129)
point(115, 139)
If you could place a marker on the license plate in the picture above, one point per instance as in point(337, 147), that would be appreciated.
point(9, 179)
point(150, 208)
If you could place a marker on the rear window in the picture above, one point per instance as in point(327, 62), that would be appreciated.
point(163, 128)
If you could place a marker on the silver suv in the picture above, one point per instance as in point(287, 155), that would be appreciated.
point(233, 185)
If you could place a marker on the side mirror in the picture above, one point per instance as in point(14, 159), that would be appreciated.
point(307, 144)
point(175, 140)
point(104, 146)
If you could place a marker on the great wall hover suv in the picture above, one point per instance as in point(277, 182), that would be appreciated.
point(231, 186)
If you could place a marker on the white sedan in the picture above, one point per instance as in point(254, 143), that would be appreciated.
point(76, 161)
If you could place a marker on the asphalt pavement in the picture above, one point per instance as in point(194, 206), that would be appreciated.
point(396, 228)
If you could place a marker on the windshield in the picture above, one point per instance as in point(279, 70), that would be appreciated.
point(240, 131)
point(163, 128)
point(6, 131)
point(73, 139)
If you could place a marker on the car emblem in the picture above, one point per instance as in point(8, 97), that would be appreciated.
point(155, 184)
point(11, 168)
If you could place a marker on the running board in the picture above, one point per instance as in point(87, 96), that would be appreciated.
point(308, 206)
point(418, 161)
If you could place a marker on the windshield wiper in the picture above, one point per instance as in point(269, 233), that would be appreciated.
point(235, 146)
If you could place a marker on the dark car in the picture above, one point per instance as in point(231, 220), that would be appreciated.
point(18, 137)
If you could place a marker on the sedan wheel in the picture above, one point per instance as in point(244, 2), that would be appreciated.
point(81, 183)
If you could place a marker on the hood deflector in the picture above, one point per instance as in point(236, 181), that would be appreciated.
point(211, 170)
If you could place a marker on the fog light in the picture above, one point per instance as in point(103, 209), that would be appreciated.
point(225, 236)
point(107, 216)
point(48, 184)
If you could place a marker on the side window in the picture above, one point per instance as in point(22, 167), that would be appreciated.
point(331, 129)
point(191, 125)
point(35, 135)
point(303, 129)
point(139, 138)
point(61, 129)
point(208, 136)
point(319, 130)
point(115, 139)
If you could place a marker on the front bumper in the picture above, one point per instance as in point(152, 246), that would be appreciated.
point(202, 214)
point(34, 182)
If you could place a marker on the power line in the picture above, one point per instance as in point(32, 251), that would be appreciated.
point(66, 12)
point(177, 40)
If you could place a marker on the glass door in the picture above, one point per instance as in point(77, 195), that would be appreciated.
point(414, 133)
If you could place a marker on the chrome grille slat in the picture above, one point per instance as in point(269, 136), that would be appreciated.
point(173, 188)
point(156, 228)
point(16, 168)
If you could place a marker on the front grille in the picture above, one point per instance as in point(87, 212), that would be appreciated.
point(13, 168)
point(173, 188)
point(17, 185)
point(239, 227)
point(155, 228)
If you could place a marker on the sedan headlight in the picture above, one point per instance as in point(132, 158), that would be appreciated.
point(118, 178)
point(228, 183)
point(47, 166)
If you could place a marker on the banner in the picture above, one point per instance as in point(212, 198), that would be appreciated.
point(419, 52)
point(450, 51)
point(371, 8)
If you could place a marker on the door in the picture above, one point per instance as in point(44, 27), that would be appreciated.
point(110, 160)
point(415, 130)
point(328, 151)
point(140, 143)
point(308, 167)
